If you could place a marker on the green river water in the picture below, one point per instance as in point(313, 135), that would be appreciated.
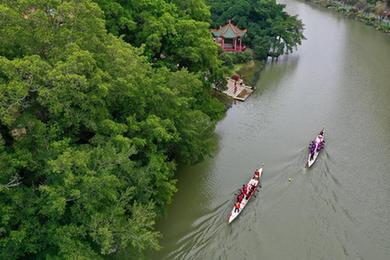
point(339, 79)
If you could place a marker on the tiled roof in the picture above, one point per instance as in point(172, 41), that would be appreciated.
point(228, 31)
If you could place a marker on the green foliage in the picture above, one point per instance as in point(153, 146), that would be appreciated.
point(92, 125)
point(196, 9)
point(250, 71)
point(90, 130)
point(271, 31)
point(173, 33)
point(231, 58)
point(228, 59)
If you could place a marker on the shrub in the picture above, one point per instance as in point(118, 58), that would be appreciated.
point(231, 58)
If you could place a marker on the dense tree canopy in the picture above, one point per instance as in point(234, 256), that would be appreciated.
point(99, 100)
point(271, 31)
point(90, 130)
point(172, 32)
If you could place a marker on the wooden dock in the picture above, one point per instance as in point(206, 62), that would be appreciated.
point(238, 90)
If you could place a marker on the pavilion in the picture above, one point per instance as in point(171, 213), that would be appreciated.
point(229, 37)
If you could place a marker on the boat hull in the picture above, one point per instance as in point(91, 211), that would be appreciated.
point(233, 215)
point(311, 160)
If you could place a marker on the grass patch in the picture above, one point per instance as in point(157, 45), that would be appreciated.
point(249, 71)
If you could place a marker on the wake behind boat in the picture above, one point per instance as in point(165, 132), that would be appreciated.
point(315, 147)
point(247, 192)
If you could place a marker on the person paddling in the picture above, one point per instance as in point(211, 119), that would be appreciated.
point(250, 191)
point(244, 189)
point(257, 175)
point(253, 189)
point(237, 207)
point(240, 197)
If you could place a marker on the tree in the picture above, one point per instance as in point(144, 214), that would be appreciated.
point(196, 9)
point(271, 31)
point(174, 34)
point(90, 131)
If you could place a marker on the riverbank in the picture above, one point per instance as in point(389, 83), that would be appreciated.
point(375, 15)
point(237, 87)
point(249, 71)
point(242, 65)
point(316, 215)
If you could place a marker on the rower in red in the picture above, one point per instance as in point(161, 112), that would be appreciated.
point(257, 177)
point(237, 207)
point(244, 189)
point(240, 197)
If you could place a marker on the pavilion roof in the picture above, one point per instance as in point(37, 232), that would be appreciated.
point(228, 31)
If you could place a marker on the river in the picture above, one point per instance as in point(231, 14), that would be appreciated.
point(339, 79)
